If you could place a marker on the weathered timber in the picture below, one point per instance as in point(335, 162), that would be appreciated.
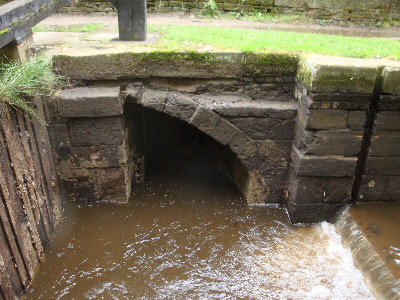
point(19, 16)
point(29, 206)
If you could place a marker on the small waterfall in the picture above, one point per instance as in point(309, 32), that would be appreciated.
point(377, 276)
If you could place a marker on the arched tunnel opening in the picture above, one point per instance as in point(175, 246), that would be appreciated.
point(172, 151)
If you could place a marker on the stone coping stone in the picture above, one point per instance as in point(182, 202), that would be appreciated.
point(391, 80)
point(327, 74)
point(113, 64)
point(318, 73)
point(90, 102)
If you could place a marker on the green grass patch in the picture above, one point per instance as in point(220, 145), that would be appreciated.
point(4, 1)
point(20, 82)
point(272, 17)
point(87, 28)
point(247, 40)
point(268, 17)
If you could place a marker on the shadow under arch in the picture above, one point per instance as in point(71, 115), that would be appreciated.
point(217, 140)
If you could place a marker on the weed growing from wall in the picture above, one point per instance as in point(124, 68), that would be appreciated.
point(20, 82)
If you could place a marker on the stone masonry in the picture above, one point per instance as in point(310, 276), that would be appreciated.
point(381, 174)
point(337, 148)
point(316, 134)
point(95, 161)
point(90, 138)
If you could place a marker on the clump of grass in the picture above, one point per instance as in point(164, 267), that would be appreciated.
point(19, 82)
point(87, 28)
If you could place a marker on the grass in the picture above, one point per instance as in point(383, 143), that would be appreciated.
point(87, 28)
point(268, 17)
point(19, 82)
point(4, 1)
point(267, 40)
point(298, 19)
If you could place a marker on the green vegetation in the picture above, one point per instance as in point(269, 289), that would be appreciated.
point(3, 31)
point(210, 9)
point(245, 40)
point(4, 1)
point(87, 28)
point(19, 82)
point(268, 17)
point(272, 17)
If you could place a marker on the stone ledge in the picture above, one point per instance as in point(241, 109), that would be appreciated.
point(122, 63)
point(322, 166)
point(90, 102)
point(324, 74)
point(391, 80)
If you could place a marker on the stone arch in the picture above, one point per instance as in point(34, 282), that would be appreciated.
point(196, 110)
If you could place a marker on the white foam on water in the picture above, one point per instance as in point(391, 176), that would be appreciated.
point(347, 282)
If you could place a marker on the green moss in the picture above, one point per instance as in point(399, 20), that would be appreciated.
point(87, 28)
point(282, 63)
point(172, 56)
point(3, 31)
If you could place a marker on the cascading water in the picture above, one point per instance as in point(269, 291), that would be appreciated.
point(378, 277)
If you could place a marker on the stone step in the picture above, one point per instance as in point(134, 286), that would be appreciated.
point(90, 102)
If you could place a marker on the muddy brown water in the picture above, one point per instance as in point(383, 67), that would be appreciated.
point(187, 234)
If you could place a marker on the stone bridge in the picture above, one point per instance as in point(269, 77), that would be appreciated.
point(314, 133)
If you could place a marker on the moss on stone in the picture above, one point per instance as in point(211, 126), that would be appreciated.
point(265, 63)
point(326, 74)
point(3, 31)
point(391, 80)
point(174, 56)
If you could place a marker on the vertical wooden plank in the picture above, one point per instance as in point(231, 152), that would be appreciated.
point(10, 240)
point(16, 197)
point(9, 278)
point(47, 208)
point(34, 183)
point(43, 144)
point(6, 286)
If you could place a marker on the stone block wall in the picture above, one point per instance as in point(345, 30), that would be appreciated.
point(344, 10)
point(224, 109)
point(381, 174)
point(346, 142)
point(90, 138)
point(318, 143)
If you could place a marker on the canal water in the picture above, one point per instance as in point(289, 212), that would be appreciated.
point(187, 234)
